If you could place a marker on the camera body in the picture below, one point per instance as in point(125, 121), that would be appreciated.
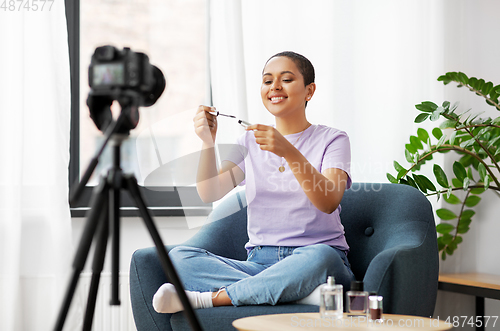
point(122, 75)
point(111, 68)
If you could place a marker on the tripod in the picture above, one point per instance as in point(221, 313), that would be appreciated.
point(103, 221)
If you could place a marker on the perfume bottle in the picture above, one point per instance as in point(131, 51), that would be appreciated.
point(357, 299)
point(332, 302)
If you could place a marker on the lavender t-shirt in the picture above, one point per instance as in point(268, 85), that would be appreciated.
point(279, 212)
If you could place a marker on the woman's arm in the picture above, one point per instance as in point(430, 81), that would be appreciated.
point(324, 190)
point(212, 184)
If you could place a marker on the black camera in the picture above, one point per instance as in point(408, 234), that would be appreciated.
point(125, 76)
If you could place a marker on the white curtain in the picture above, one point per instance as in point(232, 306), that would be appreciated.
point(374, 61)
point(35, 222)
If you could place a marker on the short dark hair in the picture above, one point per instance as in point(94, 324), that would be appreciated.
point(303, 64)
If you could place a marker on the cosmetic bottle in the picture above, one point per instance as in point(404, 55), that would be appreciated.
point(375, 305)
point(357, 299)
point(331, 301)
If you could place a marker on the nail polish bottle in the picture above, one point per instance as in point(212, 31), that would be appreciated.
point(332, 302)
point(357, 299)
point(375, 305)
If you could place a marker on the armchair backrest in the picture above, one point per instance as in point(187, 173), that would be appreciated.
point(225, 231)
point(378, 216)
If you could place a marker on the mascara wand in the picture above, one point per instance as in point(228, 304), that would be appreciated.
point(217, 113)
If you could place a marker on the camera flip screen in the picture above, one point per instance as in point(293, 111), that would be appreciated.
point(108, 74)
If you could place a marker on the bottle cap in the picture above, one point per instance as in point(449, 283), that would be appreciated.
point(375, 302)
point(330, 281)
point(357, 285)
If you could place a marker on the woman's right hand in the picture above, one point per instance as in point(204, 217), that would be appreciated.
point(205, 124)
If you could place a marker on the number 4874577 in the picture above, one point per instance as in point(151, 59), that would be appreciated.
point(26, 5)
point(479, 321)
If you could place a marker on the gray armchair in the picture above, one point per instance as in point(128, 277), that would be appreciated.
point(389, 228)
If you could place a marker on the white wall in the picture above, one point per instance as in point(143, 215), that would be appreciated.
point(134, 235)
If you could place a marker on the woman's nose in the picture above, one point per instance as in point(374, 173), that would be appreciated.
point(276, 86)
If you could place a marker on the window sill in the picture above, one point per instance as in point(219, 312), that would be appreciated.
point(161, 202)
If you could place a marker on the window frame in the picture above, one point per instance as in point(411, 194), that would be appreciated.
point(163, 202)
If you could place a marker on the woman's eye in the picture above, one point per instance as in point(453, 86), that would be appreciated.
point(287, 80)
point(267, 82)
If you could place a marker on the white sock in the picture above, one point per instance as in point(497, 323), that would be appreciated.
point(313, 298)
point(166, 299)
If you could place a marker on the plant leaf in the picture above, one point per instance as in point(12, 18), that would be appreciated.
point(424, 183)
point(444, 228)
point(415, 142)
point(391, 178)
point(452, 199)
point(467, 143)
point(423, 135)
point(487, 181)
point(467, 215)
point(472, 200)
point(493, 141)
point(453, 137)
point(424, 108)
point(398, 166)
point(446, 214)
point(421, 117)
point(430, 104)
point(459, 171)
point(408, 156)
point(435, 115)
point(441, 141)
point(420, 183)
point(456, 182)
point(440, 176)
point(401, 173)
point(410, 148)
point(446, 105)
point(437, 133)
point(482, 171)
point(462, 78)
point(477, 190)
point(446, 239)
point(463, 228)
point(466, 183)
point(447, 124)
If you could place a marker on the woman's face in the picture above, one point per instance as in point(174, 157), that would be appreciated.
point(283, 91)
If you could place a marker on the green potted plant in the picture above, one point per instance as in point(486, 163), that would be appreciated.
point(476, 140)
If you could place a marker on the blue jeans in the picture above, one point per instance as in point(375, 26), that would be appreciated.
point(270, 275)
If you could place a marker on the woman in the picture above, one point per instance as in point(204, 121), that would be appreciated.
point(295, 176)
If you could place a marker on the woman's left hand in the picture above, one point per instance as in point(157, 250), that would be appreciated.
point(269, 139)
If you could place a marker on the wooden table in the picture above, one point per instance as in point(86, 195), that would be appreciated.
point(477, 284)
point(313, 321)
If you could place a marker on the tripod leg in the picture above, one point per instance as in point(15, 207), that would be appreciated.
point(99, 196)
point(114, 218)
point(97, 266)
point(168, 268)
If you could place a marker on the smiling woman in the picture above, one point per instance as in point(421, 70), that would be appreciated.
point(288, 225)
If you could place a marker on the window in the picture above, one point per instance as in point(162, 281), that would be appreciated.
point(173, 34)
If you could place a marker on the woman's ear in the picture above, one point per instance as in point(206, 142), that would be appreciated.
point(310, 91)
